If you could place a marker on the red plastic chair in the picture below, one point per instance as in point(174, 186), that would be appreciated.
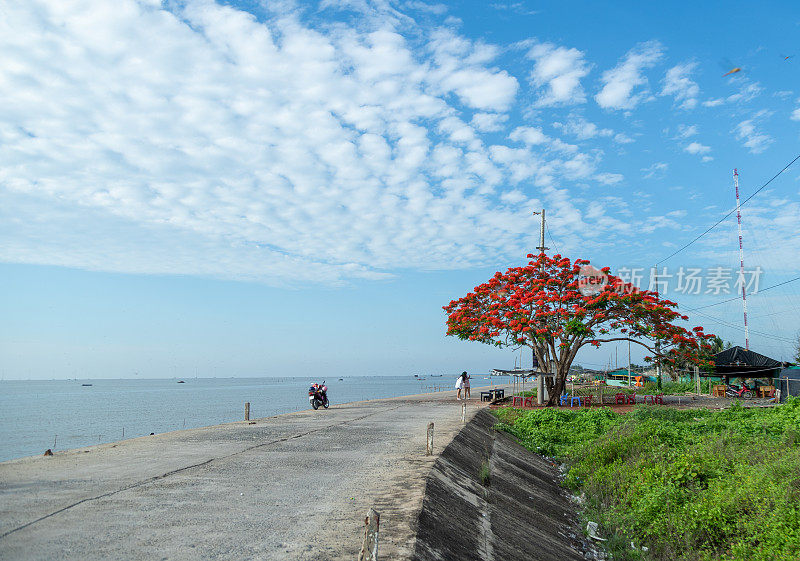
point(660, 399)
point(529, 401)
point(514, 399)
point(586, 401)
point(631, 398)
point(620, 398)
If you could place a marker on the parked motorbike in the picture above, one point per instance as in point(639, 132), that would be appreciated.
point(742, 392)
point(318, 395)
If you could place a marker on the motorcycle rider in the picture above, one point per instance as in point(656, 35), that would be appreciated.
point(318, 392)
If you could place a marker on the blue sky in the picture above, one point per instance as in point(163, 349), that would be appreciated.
point(247, 188)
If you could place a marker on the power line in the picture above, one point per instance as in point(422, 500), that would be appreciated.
point(551, 237)
point(727, 324)
point(737, 297)
point(721, 220)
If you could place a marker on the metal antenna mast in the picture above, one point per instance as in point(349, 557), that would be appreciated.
point(541, 246)
point(741, 261)
point(540, 388)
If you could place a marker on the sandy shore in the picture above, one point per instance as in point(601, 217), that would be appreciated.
point(294, 486)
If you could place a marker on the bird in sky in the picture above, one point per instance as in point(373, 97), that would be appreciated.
point(787, 57)
point(732, 71)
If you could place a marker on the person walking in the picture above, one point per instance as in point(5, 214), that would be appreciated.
point(466, 377)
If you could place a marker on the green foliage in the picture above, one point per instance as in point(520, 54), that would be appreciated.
point(485, 474)
point(543, 430)
point(688, 484)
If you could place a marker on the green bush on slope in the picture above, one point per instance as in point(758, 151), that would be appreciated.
point(692, 484)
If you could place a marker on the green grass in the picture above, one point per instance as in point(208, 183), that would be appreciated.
point(485, 474)
point(695, 484)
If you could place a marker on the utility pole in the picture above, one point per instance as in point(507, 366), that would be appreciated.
point(629, 363)
point(542, 368)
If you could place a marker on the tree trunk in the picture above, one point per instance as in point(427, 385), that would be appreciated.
point(558, 384)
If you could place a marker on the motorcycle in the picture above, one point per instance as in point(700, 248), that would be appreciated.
point(318, 395)
point(741, 393)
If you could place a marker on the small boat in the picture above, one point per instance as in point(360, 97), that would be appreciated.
point(341, 379)
point(181, 382)
point(85, 384)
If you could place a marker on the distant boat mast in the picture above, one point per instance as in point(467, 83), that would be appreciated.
point(741, 260)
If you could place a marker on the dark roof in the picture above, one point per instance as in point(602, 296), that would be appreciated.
point(737, 356)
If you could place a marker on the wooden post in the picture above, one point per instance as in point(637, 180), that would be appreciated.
point(247, 411)
point(429, 450)
point(369, 549)
point(463, 412)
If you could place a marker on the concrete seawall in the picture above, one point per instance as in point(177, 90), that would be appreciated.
point(294, 486)
point(521, 514)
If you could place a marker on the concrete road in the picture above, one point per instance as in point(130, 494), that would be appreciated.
point(294, 486)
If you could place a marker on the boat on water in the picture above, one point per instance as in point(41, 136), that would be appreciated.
point(181, 382)
point(85, 384)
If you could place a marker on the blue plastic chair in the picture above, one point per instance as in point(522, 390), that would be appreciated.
point(571, 398)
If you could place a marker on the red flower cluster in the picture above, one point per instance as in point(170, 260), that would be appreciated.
point(540, 306)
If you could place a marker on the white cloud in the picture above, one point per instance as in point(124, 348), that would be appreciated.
point(622, 138)
point(529, 135)
point(231, 147)
point(753, 139)
point(620, 82)
point(489, 122)
point(697, 148)
point(514, 7)
point(438, 9)
point(557, 73)
point(713, 102)
point(609, 178)
point(747, 92)
point(685, 131)
point(579, 127)
point(658, 170)
point(795, 115)
point(678, 84)
point(197, 139)
point(460, 68)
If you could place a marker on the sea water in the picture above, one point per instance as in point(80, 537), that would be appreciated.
point(61, 414)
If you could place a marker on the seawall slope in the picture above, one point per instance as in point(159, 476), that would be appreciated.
point(522, 514)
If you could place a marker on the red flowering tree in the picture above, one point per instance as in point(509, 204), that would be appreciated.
point(553, 307)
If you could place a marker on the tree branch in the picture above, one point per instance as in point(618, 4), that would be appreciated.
point(651, 349)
